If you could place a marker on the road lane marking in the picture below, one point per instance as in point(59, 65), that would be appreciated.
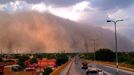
point(107, 73)
point(129, 72)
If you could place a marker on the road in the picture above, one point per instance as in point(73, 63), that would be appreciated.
point(113, 70)
point(75, 69)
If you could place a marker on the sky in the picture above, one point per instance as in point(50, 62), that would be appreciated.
point(93, 12)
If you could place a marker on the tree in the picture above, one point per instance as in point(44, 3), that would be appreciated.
point(33, 60)
point(21, 64)
point(61, 59)
point(47, 71)
point(22, 59)
point(87, 56)
point(105, 55)
point(1, 59)
point(130, 62)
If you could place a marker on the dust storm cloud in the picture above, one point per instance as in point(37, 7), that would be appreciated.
point(31, 31)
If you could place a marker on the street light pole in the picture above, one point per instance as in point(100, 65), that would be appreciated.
point(94, 45)
point(116, 43)
point(94, 51)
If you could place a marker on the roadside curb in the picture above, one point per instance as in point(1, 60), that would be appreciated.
point(66, 69)
point(60, 68)
point(69, 68)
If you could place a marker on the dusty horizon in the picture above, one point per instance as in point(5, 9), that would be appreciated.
point(44, 32)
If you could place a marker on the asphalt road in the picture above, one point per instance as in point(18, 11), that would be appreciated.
point(113, 70)
point(75, 69)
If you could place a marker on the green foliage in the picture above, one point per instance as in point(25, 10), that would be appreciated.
point(61, 58)
point(105, 55)
point(87, 56)
point(123, 57)
point(33, 60)
point(130, 62)
point(47, 71)
point(40, 56)
point(21, 63)
point(131, 54)
point(49, 56)
point(1, 59)
point(9, 61)
point(17, 56)
point(22, 59)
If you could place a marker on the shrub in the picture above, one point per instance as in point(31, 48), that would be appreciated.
point(105, 55)
point(21, 61)
point(61, 59)
point(123, 57)
point(1, 59)
point(9, 61)
point(22, 64)
point(47, 71)
point(87, 56)
point(33, 60)
point(130, 62)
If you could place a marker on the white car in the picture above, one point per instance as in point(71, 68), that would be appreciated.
point(92, 70)
point(101, 72)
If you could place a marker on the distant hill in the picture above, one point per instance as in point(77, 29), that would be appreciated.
point(43, 32)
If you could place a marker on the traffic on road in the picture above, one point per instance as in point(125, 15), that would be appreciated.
point(79, 67)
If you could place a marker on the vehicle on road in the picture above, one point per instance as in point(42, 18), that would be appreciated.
point(101, 72)
point(92, 70)
point(84, 65)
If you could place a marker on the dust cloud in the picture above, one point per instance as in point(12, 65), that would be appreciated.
point(30, 31)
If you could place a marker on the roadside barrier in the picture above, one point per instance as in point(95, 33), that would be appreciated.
point(58, 70)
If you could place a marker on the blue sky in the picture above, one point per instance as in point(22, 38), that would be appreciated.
point(93, 12)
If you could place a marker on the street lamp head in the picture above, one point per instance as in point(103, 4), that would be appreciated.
point(115, 20)
point(108, 20)
point(120, 20)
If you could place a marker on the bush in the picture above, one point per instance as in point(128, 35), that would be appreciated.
point(22, 64)
point(21, 60)
point(40, 56)
point(17, 56)
point(9, 61)
point(105, 55)
point(33, 60)
point(87, 56)
point(1, 59)
point(130, 62)
point(61, 59)
point(47, 71)
point(123, 57)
